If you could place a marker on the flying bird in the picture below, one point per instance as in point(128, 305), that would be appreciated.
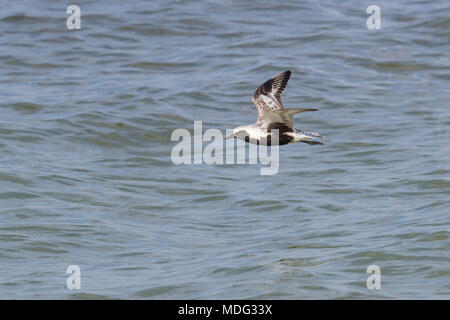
point(272, 115)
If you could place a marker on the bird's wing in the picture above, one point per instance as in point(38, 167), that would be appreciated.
point(284, 116)
point(268, 96)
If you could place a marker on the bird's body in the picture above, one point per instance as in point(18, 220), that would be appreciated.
point(273, 119)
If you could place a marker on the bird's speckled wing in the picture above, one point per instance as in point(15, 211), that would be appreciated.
point(268, 96)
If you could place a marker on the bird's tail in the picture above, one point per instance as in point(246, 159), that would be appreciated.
point(310, 134)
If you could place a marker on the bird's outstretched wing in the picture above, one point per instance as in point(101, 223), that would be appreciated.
point(284, 116)
point(268, 96)
point(267, 99)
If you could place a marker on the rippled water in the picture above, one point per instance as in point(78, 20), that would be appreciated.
point(87, 179)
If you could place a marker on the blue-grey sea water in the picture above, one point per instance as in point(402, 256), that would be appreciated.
point(85, 150)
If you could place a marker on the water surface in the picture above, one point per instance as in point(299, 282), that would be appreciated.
point(87, 179)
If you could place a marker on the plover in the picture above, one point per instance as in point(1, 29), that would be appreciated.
point(272, 115)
